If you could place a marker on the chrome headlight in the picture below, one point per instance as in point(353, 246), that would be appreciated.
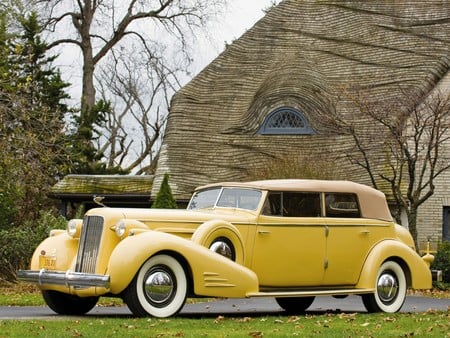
point(74, 228)
point(129, 227)
point(120, 228)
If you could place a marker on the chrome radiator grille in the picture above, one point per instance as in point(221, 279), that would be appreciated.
point(91, 235)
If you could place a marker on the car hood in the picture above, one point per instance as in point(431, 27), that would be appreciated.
point(174, 215)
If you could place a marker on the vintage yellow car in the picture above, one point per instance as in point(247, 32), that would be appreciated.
point(289, 239)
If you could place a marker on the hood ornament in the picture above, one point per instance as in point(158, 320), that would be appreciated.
point(98, 200)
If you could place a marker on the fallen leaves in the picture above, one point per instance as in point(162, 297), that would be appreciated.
point(245, 319)
point(389, 319)
point(219, 319)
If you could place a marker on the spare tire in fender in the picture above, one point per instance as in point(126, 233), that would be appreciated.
point(212, 231)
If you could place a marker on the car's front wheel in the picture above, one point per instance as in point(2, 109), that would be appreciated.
point(295, 304)
point(159, 288)
point(390, 289)
point(65, 304)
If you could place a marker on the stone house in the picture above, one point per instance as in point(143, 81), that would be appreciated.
point(263, 99)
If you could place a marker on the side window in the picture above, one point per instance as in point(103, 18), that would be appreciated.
point(292, 204)
point(272, 205)
point(299, 204)
point(341, 205)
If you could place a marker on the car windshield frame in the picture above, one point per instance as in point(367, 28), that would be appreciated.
point(226, 197)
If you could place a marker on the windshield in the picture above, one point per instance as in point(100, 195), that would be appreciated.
point(204, 199)
point(226, 197)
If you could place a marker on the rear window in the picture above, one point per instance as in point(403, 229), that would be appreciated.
point(342, 205)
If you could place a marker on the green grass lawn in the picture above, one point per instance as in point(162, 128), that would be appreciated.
point(428, 324)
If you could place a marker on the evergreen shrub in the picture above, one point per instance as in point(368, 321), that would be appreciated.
point(164, 198)
point(442, 261)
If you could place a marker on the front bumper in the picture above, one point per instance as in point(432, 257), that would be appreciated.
point(65, 278)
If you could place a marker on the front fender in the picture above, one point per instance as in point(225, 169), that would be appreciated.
point(420, 274)
point(62, 246)
point(212, 274)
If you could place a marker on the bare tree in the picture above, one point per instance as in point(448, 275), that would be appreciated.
point(403, 145)
point(100, 28)
point(139, 88)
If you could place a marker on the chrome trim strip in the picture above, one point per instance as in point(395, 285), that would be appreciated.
point(307, 293)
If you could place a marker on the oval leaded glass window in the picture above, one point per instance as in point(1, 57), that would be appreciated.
point(286, 120)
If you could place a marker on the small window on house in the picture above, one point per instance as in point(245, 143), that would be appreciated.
point(341, 205)
point(286, 120)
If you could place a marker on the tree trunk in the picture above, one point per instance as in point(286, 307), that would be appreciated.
point(412, 225)
point(88, 90)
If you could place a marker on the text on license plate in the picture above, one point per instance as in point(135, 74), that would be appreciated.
point(47, 262)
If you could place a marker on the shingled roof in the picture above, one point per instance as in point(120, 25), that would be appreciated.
point(301, 54)
point(116, 190)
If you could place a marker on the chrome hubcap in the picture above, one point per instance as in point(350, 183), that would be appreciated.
point(387, 287)
point(159, 286)
point(222, 248)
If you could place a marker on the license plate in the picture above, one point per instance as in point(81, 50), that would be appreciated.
point(47, 262)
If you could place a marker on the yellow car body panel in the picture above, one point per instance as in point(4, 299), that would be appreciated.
point(213, 275)
point(277, 237)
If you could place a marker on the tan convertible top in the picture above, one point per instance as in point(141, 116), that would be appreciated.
point(372, 202)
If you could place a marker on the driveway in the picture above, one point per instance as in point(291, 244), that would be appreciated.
point(236, 307)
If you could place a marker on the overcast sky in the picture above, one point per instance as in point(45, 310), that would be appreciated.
point(240, 16)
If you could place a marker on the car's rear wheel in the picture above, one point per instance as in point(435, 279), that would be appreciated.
point(295, 304)
point(390, 289)
point(65, 304)
point(159, 288)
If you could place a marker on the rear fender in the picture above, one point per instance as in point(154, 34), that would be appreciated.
point(416, 271)
point(212, 274)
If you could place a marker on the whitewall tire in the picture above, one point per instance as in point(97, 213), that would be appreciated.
point(390, 289)
point(159, 288)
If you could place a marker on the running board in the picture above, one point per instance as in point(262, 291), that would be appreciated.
point(339, 292)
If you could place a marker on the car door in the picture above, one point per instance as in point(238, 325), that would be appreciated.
point(289, 246)
point(349, 238)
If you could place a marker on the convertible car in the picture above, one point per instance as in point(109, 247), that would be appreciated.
point(292, 240)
